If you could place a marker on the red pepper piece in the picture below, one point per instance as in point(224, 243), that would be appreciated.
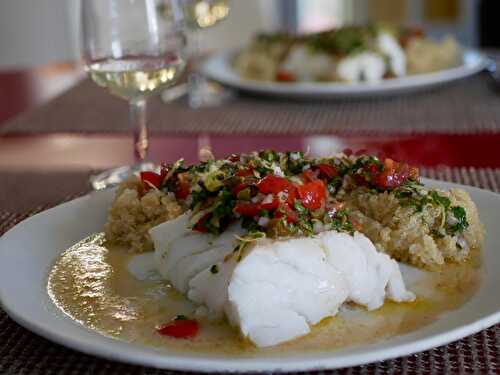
point(286, 211)
point(271, 206)
point(200, 225)
point(410, 33)
point(247, 209)
point(414, 173)
point(309, 175)
point(347, 152)
point(327, 170)
point(239, 188)
point(273, 185)
point(149, 179)
point(234, 158)
point(394, 174)
point(163, 171)
point(312, 194)
point(183, 186)
point(292, 195)
point(180, 329)
point(283, 76)
point(355, 224)
point(244, 172)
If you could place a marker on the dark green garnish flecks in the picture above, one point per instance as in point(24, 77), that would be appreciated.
point(413, 195)
point(461, 217)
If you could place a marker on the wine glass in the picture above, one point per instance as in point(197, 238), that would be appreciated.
point(200, 15)
point(135, 49)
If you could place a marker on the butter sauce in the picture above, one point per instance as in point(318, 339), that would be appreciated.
point(91, 283)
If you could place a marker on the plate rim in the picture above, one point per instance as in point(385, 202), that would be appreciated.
point(175, 361)
point(211, 68)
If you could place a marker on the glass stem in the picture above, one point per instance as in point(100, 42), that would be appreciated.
point(138, 117)
point(196, 43)
point(195, 78)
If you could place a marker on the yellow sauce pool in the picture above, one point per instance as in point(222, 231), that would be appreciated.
point(90, 282)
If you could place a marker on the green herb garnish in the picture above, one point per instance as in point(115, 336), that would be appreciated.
point(461, 216)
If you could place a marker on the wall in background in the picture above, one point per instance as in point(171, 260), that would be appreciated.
point(34, 33)
point(37, 32)
point(464, 25)
point(438, 17)
point(246, 18)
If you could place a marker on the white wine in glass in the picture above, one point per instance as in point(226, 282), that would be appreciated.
point(135, 48)
point(133, 78)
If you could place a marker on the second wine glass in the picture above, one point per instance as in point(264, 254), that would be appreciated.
point(201, 15)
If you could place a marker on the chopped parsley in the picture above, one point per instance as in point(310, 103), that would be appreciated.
point(461, 217)
point(415, 196)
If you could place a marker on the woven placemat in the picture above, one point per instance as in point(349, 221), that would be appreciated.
point(22, 352)
point(21, 191)
point(468, 106)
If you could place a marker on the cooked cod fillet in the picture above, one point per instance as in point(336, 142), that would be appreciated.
point(279, 288)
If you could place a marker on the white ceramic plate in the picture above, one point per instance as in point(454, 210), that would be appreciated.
point(28, 251)
point(219, 68)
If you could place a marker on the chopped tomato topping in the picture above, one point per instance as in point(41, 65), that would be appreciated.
point(247, 209)
point(286, 211)
point(283, 76)
point(244, 172)
point(200, 225)
point(309, 175)
point(273, 185)
point(163, 171)
point(414, 173)
point(327, 170)
point(411, 33)
point(373, 169)
point(312, 194)
point(394, 174)
point(183, 187)
point(355, 224)
point(149, 179)
point(347, 152)
point(180, 328)
point(291, 195)
point(234, 158)
point(239, 188)
point(271, 205)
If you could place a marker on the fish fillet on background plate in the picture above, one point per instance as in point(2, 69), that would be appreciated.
point(279, 288)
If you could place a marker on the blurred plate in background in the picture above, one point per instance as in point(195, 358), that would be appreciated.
point(219, 68)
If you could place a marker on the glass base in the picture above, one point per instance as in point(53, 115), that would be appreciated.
point(115, 176)
point(175, 92)
point(206, 93)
